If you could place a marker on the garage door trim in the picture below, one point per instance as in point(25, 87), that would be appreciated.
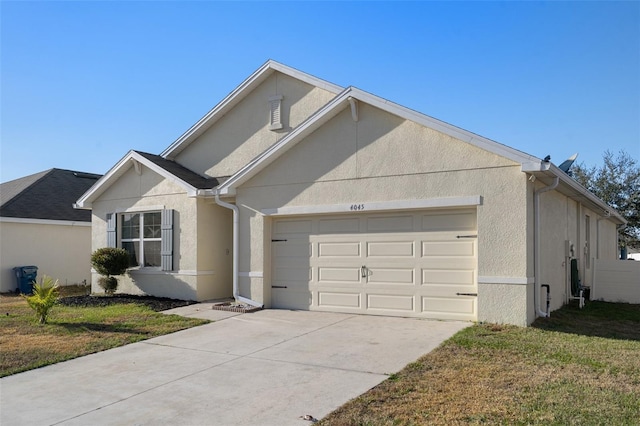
point(382, 206)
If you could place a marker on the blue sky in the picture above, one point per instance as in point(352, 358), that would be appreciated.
point(84, 82)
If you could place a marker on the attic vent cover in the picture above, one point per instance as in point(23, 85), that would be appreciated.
point(275, 107)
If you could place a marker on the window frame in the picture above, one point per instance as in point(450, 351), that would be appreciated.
point(141, 239)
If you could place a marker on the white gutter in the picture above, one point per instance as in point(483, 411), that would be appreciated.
point(236, 225)
point(536, 244)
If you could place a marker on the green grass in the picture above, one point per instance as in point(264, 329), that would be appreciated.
point(579, 367)
point(75, 331)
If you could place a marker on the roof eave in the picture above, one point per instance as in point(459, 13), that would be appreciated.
point(546, 171)
point(128, 161)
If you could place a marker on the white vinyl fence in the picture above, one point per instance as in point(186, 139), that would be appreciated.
point(616, 281)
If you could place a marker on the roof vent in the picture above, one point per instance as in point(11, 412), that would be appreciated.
point(275, 108)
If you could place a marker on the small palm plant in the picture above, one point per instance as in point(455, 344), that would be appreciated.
point(44, 297)
point(109, 261)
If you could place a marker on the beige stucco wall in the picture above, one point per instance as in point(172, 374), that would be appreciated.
point(563, 223)
point(59, 251)
point(202, 236)
point(243, 133)
point(384, 158)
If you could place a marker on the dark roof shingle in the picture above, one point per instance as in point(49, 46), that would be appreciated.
point(46, 195)
point(181, 172)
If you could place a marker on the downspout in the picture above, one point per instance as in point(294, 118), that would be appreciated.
point(236, 225)
point(536, 244)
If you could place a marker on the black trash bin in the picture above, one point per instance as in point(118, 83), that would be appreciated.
point(26, 276)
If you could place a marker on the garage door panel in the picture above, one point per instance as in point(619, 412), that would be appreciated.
point(391, 249)
point(291, 298)
point(391, 275)
point(452, 277)
point(294, 227)
point(328, 299)
point(390, 302)
point(301, 274)
point(398, 223)
point(448, 248)
point(293, 249)
point(449, 221)
point(338, 275)
point(461, 306)
point(337, 226)
point(448, 263)
point(339, 249)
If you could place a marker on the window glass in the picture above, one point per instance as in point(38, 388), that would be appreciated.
point(152, 228)
point(130, 226)
point(152, 253)
point(133, 247)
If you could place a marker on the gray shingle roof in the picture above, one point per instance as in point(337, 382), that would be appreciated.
point(181, 172)
point(46, 195)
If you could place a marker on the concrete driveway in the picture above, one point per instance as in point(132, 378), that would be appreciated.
point(265, 368)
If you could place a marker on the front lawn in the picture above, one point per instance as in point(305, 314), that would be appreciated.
point(74, 331)
point(578, 367)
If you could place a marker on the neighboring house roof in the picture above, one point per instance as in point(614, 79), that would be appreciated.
point(48, 195)
point(253, 81)
point(187, 179)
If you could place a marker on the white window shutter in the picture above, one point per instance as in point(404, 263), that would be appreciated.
point(111, 230)
point(166, 250)
point(275, 112)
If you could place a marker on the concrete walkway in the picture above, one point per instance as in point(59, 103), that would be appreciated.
point(265, 368)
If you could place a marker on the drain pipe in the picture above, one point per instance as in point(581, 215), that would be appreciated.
point(536, 243)
point(236, 225)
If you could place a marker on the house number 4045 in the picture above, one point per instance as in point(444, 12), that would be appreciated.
point(355, 207)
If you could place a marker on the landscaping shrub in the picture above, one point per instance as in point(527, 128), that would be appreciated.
point(44, 297)
point(110, 261)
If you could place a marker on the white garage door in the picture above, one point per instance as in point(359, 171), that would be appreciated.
point(418, 264)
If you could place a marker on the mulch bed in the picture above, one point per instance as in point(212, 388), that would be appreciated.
point(156, 303)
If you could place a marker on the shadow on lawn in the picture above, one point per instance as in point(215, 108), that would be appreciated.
point(598, 319)
point(83, 327)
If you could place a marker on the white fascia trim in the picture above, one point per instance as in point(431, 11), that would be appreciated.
point(363, 207)
point(506, 280)
point(252, 274)
point(325, 113)
point(43, 221)
point(307, 78)
point(236, 96)
point(84, 202)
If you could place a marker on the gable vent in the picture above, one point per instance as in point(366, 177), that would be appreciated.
point(275, 108)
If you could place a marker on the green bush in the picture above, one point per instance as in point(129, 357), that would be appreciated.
point(109, 261)
point(44, 297)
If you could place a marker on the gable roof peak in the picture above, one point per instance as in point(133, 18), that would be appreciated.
point(239, 93)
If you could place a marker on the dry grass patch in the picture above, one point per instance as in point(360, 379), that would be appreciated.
point(75, 331)
point(490, 374)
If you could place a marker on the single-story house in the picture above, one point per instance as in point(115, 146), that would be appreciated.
point(295, 193)
point(39, 227)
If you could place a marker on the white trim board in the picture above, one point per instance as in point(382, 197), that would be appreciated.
point(377, 206)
